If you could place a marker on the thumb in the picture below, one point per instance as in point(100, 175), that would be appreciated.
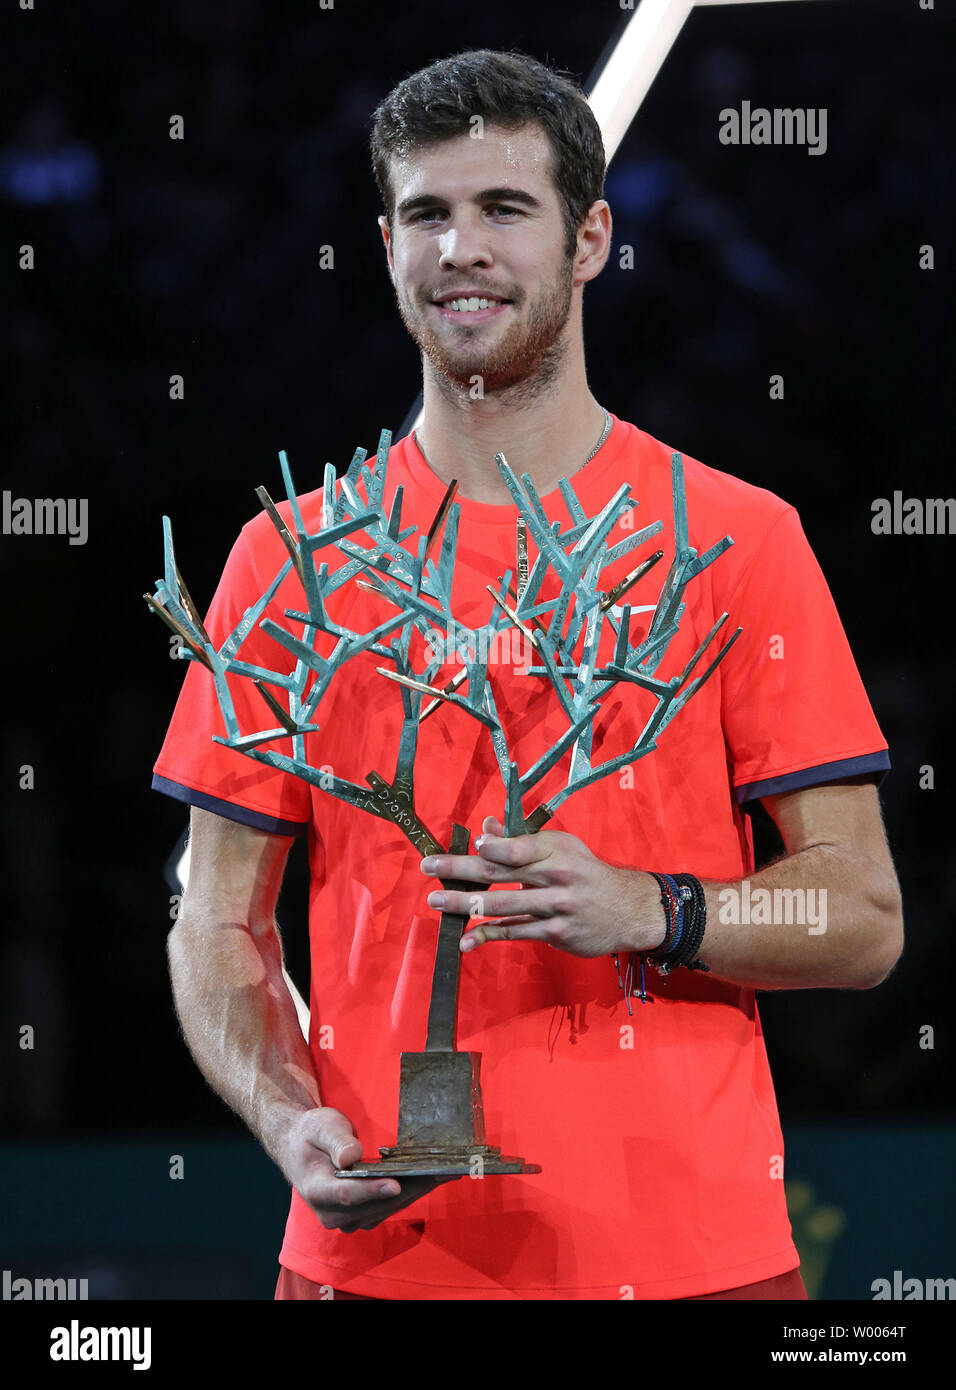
point(334, 1134)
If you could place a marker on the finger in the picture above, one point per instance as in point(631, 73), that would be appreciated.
point(510, 902)
point(344, 1194)
point(515, 851)
point(468, 867)
point(398, 1193)
point(469, 941)
point(326, 1193)
point(413, 1188)
point(525, 929)
point(518, 920)
point(371, 1211)
point(472, 868)
point(494, 855)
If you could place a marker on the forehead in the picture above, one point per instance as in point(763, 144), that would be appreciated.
point(457, 167)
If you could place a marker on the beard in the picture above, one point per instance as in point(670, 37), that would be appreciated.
point(527, 356)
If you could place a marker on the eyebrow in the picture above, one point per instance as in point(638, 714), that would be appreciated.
point(487, 195)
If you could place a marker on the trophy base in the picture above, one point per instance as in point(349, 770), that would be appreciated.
point(481, 1160)
point(441, 1125)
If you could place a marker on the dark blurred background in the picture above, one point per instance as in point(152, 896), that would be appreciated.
point(200, 257)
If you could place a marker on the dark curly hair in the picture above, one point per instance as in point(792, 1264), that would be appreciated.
point(508, 90)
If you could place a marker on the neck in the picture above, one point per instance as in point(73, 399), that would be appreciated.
point(548, 436)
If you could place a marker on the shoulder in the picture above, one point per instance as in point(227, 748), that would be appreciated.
point(259, 537)
point(259, 543)
point(714, 493)
point(718, 503)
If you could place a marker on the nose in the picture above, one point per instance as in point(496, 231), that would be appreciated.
point(463, 243)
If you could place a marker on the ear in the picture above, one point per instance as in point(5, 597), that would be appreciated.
point(387, 238)
point(594, 242)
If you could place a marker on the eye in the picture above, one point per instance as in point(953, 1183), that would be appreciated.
point(428, 213)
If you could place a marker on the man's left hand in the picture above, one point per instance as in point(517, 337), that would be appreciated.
point(568, 897)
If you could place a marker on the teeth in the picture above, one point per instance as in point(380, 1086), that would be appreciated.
point(469, 305)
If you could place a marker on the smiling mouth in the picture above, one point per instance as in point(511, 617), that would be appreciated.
point(473, 313)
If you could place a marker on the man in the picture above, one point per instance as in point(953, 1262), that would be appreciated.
point(656, 1131)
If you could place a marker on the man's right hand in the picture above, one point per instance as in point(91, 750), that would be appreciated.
point(238, 1018)
point(321, 1140)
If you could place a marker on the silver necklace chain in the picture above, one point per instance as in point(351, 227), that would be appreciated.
point(604, 434)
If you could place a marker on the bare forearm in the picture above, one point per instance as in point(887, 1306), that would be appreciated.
point(241, 1026)
point(817, 919)
point(829, 915)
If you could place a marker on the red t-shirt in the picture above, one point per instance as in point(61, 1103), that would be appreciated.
point(657, 1133)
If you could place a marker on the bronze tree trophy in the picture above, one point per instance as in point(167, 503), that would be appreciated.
point(441, 1128)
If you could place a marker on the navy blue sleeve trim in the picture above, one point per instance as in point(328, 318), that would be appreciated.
point(877, 763)
point(257, 820)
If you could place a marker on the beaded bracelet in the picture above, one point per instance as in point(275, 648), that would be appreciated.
point(673, 904)
point(685, 911)
point(688, 881)
point(686, 907)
